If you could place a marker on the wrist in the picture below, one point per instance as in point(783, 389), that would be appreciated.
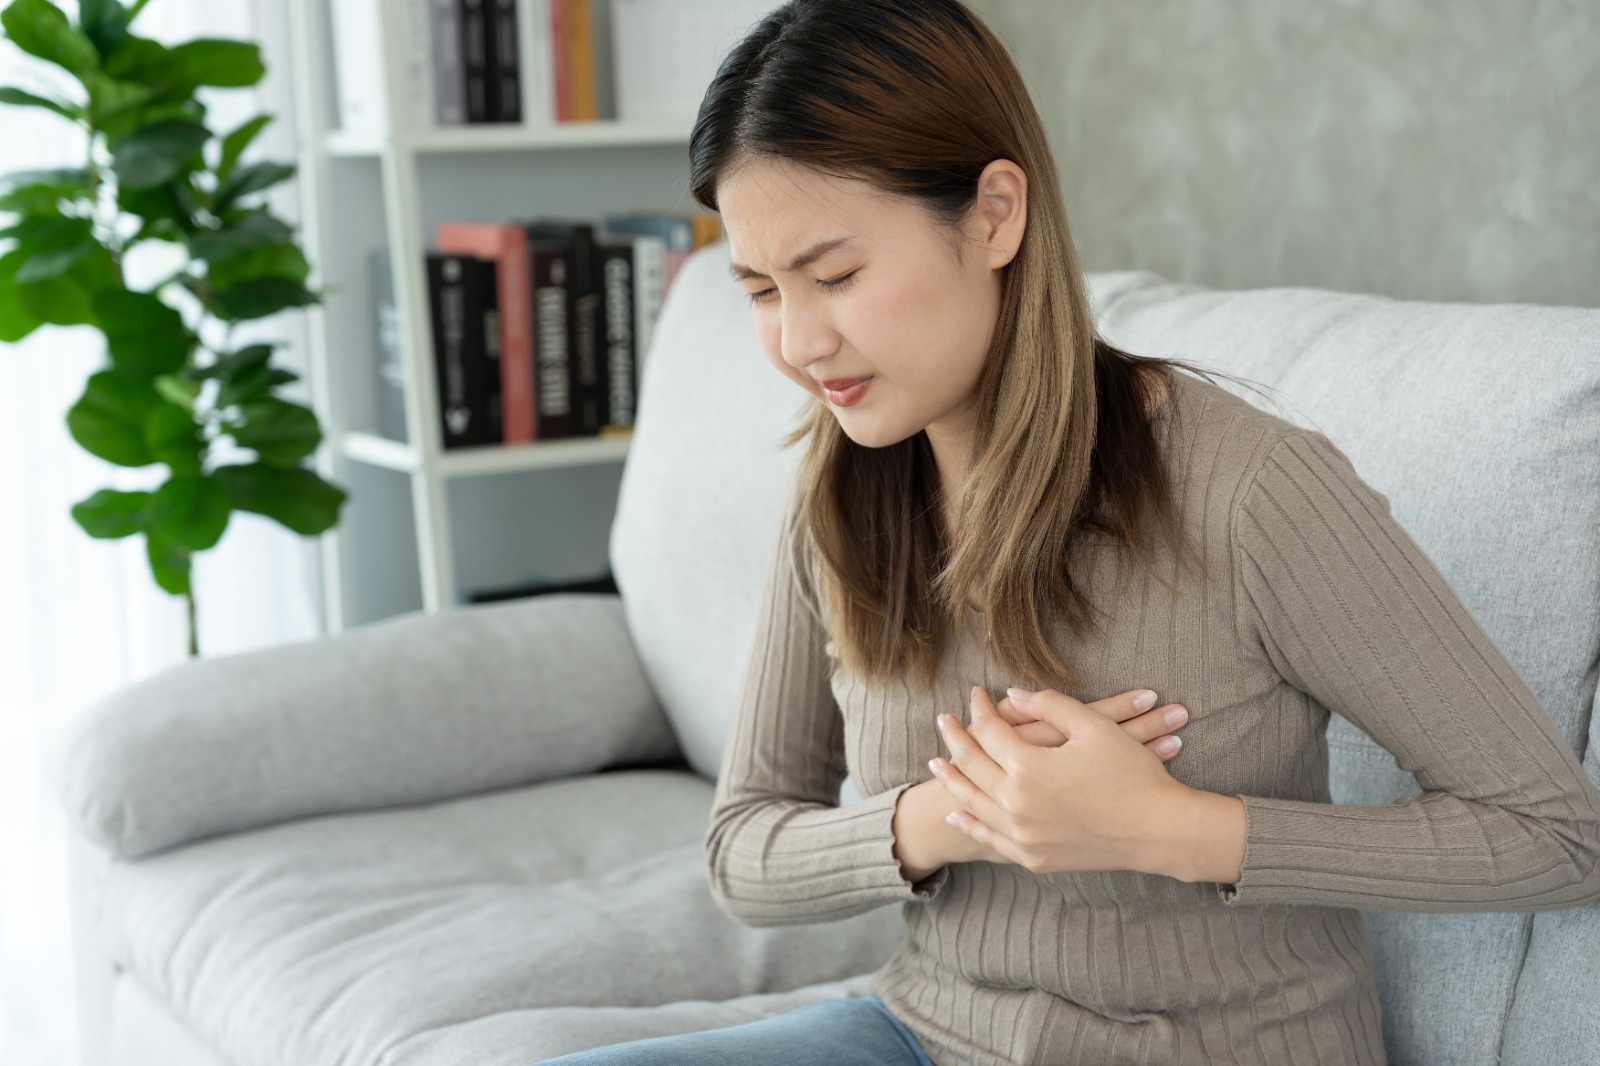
point(1195, 835)
point(924, 841)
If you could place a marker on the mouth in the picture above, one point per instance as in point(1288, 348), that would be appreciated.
point(845, 392)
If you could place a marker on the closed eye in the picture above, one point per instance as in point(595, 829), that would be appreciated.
point(765, 295)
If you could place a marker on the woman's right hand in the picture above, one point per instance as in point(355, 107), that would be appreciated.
point(1148, 727)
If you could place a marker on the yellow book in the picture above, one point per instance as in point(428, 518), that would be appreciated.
point(580, 59)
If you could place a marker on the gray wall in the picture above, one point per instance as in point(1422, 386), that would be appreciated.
point(1429, 149)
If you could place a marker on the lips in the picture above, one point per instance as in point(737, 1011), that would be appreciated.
point(845, 392)
point(840, 384)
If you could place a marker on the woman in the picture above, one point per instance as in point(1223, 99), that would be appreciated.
point(980, 470)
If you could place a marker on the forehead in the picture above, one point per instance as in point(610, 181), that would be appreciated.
point(773, 210)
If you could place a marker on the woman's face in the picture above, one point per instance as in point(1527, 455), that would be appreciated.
point(890, 303)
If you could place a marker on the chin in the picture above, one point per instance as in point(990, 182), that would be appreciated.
point(866, 433)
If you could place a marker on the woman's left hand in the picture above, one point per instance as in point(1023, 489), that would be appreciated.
point(1092, 803)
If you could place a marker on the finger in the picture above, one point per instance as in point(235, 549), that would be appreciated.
point(1013, 714)
point(1124, 705)
point(1059, 709)
point(1153, 724)
point(1166, 748)
point(986, 835)
point(974, 760)
point(997, 736)
point(960, 786)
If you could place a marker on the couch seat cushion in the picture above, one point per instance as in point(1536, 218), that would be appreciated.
point(496, 928)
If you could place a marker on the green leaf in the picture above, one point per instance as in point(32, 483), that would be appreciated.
point(245, 360)
point(111, 103)
point(48, 232)
point(174, 437)
point(259, 298)
point(250, 179)
point(16, 321)
point(160, 203)
point(266, 261)
point(146, 338)
point(169, 562)
point(104, 22)
point(40, 29)
point(250, 229)
point(22, 98)
point(180, 390)
point(234, 144)
point(145, 62)
point(68, 300)
point(282, 433)
point(191, 511)
point(158, 153)
point(54, 263)
point(109, 419)
point(223, 63)
point(110, 514)
point(297, 498)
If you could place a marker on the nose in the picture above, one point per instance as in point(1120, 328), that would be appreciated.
point(806, 334)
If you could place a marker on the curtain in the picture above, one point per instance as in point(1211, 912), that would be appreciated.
point(80, 618)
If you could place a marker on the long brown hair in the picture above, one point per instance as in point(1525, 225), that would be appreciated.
point(916, 97)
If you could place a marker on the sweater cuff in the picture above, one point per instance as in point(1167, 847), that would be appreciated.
point(917, 891)
point(1276, 866)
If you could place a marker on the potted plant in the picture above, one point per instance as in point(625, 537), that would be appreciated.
point(173, 384)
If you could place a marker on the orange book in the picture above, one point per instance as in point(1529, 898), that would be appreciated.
point(580, 60)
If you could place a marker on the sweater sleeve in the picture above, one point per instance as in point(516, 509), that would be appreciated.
point(780, 849)
point(1352, 612)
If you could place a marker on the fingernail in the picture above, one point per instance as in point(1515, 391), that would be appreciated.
point(1176, 716)
point(1145, 700)
point(933, 764)
point(1018, 695)
point(1168, 745)
point(951, 818)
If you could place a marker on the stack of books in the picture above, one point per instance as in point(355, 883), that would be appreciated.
point(535, 62)
point(539, 328)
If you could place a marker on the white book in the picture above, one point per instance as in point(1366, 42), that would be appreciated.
point(666, 52)
point(358, 65)
point(536, 62)
point(418, 53)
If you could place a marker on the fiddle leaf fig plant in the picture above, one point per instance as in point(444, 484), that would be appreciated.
point(173, 384)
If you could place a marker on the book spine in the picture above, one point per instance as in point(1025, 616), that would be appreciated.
point(588, 389)
point(475, 57)
point(547, 259)
point(390, 398)
point(506, 87)
point(535, 68)
point(580, 40)
point(506, 243)
point(449, 83)
point(650, 290)
point(562, 60)
point(450, 291)
point(617, 288)
point(490, 352)
point(419, 60)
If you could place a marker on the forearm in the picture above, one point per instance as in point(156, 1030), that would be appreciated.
point(924, 841)
point(1196, 836)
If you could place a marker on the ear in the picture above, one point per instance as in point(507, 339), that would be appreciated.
point(1000, 213)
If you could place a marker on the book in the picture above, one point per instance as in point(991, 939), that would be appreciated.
point(358, 77)
point(649, 290)
point(456, 286)
point(492, 393)
point(449, 79)
point(674, 228)
point(573, 44)
point(506, 244)
point(505, 82)
point(536, 68)
point(619, 354)
point(476, 49)
point(389, 396)
point(583, 320)
point(547, 269)
point(418, 58)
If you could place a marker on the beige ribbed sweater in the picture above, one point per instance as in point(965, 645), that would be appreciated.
point(1319, 600)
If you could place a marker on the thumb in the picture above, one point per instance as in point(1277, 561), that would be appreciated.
point(1060, 710)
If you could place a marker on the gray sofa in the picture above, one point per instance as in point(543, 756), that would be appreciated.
point(476, 837)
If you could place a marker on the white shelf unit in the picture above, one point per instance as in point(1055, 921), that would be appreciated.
point(425, 526)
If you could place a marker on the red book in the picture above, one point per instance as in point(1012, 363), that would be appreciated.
point(506, 243)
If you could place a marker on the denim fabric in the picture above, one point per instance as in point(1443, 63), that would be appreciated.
point(848, 1031)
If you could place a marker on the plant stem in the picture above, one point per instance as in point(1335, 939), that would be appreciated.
point(194, 632)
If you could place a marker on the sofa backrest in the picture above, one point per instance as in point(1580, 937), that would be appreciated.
point(1480, 423)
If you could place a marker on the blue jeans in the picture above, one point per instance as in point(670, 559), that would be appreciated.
point(848, 1031)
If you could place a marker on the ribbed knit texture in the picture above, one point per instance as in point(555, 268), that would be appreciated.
point(1317, 599)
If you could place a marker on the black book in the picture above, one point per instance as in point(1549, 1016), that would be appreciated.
point(552, 387)
point(583, 321)
point(505, 64)
point(455, 297)
point(617, 305)
point(493, 392)
point(476, 51)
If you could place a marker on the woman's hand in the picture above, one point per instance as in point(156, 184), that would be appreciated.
point(1149, 727)
point(1085, 804)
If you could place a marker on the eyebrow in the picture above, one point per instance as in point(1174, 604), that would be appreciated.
point(741, 272)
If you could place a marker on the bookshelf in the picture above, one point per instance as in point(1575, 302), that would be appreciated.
point(425, 527)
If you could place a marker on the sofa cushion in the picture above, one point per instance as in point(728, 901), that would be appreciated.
point(443, 933)
point(1481, 426)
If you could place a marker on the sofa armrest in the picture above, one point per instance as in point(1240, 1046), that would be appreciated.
point(412, 709)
